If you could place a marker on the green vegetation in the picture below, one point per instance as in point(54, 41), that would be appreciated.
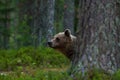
point(29, 56)
point(41, 63)
point(30, 63)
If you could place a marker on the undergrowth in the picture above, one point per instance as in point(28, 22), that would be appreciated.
point(28, 63)
point(34, 57)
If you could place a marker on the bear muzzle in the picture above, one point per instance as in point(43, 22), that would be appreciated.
point(49, 44)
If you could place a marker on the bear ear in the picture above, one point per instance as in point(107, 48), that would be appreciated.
point(67, 32)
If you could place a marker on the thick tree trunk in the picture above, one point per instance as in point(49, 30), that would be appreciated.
point(98, 43)
point(69, 15)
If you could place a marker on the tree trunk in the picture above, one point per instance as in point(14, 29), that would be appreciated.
point(6, 31)
point(50, 23)
point(98, 38)
point(6, 24)
point(69, 15)
point(44, 20)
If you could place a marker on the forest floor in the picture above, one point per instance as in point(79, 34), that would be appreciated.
point(33, 64)
point(29, 63)
point(29, 73)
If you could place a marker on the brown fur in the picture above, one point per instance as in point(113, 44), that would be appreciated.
point(64, 42)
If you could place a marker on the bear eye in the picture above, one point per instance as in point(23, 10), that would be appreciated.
point(57, 39)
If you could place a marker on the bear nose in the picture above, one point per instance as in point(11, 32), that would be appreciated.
point(50, 43)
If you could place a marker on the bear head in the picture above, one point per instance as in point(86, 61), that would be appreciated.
point(63, 42)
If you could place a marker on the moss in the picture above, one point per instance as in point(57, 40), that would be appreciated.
point(29, 56)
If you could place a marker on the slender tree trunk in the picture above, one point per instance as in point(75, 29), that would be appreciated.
point(6, 23)
point(37, 22)
point(50, 14)
point(44, 20)
point(69, 15)
point(98, 38)
point(7, 32)
point(14, 24)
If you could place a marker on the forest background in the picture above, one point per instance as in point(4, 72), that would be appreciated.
point(33, 23)
point(27, 25)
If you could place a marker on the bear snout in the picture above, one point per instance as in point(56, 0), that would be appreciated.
point(50, 44)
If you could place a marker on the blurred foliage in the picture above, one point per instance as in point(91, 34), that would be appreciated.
point(5, 10)
point(59, 12)
point(116, 76)
point(18, 23)
point(23, 35)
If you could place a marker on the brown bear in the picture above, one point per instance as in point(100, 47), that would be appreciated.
point(64, 42)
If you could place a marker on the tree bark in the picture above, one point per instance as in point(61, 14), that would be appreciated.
point(50, 23)
point(44, 20)
point(98, 38)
